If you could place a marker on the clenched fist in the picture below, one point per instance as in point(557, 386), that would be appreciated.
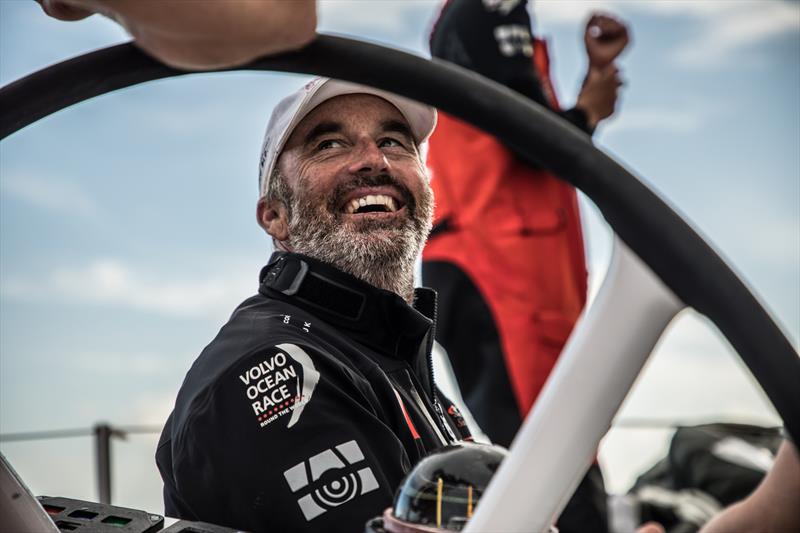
point(605, 37)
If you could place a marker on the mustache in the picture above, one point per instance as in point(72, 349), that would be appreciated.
point(343, 189)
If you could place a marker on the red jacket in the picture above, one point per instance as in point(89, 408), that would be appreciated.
point(516, 232)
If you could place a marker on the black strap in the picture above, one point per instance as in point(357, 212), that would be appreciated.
point(292, 277)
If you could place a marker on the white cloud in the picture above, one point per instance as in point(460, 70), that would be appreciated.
point(697, 9)
point(110, 282)
point(740, 26)
point(56, 195)
point(771, 242)
point(140, 365)
point(763, 239)
point(385, 21)
point(672, 120)
point(695, 374)
point(725, 27)
point(547, 13)
point(152, 408)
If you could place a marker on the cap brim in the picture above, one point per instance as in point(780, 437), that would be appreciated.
point(421, 118)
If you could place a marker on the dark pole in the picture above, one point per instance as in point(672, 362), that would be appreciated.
point(102, 447)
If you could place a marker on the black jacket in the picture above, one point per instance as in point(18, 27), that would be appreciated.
point(308, 408)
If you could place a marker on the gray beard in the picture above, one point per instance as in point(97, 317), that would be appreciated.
point(381, 253)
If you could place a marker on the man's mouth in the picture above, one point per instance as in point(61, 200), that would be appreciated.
point(372, 198)
point(371, 203)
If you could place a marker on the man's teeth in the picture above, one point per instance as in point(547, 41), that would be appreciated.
point(371, 199)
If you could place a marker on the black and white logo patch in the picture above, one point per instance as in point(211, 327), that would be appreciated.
point(331, 478)
point(282, 384)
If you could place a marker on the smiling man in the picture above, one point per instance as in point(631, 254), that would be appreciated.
point(351, 190)
point(317, 396)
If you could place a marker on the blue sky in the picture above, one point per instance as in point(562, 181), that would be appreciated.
point(127, 226)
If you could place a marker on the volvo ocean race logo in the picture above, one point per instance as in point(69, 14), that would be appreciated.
point(282, 383)
point(331, 478)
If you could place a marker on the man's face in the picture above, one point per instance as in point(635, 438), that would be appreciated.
point(359, 195)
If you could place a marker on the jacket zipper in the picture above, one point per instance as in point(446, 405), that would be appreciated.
point(437, 406)
point(429, 349)
point(434, 420)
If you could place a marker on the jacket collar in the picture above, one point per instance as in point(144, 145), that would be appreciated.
point(378, 318)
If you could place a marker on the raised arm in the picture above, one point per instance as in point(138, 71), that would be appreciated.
point(605, 38)
point(494, 39)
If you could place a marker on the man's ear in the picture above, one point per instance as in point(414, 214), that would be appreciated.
point(274, 218)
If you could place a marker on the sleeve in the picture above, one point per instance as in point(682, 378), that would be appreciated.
point(493, 38)
point(287, 441)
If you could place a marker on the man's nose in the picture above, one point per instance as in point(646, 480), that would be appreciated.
point(368, 158)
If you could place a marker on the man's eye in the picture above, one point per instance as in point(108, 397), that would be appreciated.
point(327, 144)
point(389, 143)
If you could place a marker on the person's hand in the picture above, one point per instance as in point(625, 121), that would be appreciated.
point(598, 96)
point(605, 37)
point(650, 527)
point(202, 35)
point(63, 11)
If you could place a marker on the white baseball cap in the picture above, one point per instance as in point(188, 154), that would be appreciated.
point(291, 110)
